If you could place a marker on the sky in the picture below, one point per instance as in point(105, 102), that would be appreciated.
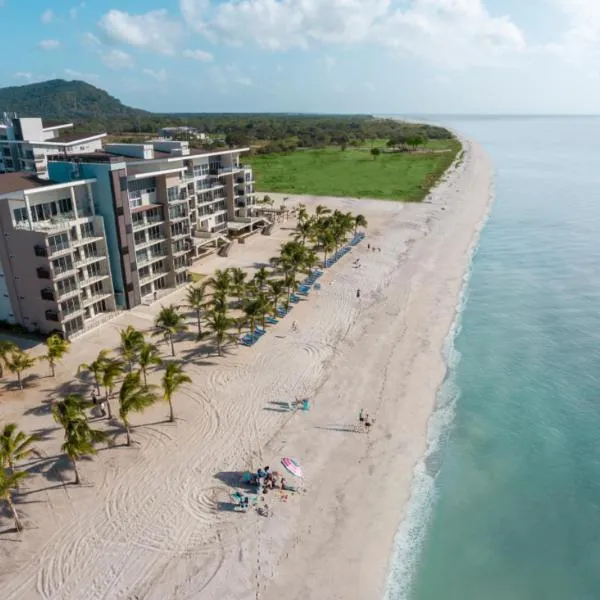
point(333, 56)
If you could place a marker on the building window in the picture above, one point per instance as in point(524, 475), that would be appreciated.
point(87, 230)
point(62, 264)
point(65, 205)
point(94, 270)
point(20, 215)
point(40, 250)
point(51, 315)
point(65, 286)
point(58, 242)
point(42, 273)
point(172, 194)
point(69, 306)
point(74, 325)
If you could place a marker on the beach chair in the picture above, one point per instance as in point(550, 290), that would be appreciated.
point(294, 298)
point(259, 331)
point(271, 320)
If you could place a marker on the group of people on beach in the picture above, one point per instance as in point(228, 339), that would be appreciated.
point(266, 480)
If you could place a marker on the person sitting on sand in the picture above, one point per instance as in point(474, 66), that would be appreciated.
point(283, 483)
point(361, 415)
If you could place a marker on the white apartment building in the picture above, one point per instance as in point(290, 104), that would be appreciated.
point(26, 143)
point(54, 269)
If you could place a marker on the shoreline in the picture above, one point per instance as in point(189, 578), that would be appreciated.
point(152, 526)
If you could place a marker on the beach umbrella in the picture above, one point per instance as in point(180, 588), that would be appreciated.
point(293, 466)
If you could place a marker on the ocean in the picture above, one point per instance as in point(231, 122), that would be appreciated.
point(506, 503)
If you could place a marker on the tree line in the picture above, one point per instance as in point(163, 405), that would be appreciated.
point(223, 307)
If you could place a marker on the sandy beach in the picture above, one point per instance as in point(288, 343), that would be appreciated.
point(150, 520)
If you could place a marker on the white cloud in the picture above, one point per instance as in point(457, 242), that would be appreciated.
point(78, 75)
point(223, 77)
point(117, 59)
point(153, 30)
point(199, 55)
point(49, 44)
point(158, 75)
point(455, 33)
point(47, 16)
point(21, 74)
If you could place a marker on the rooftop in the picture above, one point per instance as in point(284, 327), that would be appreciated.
point(66, 138)
point(50, 124)
point(16, 182)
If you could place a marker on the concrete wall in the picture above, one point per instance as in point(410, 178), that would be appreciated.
point(6, 309)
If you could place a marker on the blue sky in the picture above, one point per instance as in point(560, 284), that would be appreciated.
point(368, 56)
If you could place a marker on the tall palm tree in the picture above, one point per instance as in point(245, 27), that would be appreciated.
point(302, 213)
point(17, 362)
point(252, 308)
point(15, 445)
point(172, 380)
point(134, 397)
point(70, 409)
point(6, 348)
point(80, 440)
point(276, 290)
point(196, 299)
point(359, 221)
point(57, 347)
point(238, 282)
point(304, 230)
point(261, 276)
point(149, 356)
point(96, 368)
point(327, 244)
point(311, 260)
point(264, 306)
point(219, 302)
point(221, 281)
point(168, 323)
point(113, 369)
point(218, 324)
point(321, 210)
point(132, 340)
point(8, 482)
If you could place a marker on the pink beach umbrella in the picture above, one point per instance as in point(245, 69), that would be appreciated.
point(293, 466)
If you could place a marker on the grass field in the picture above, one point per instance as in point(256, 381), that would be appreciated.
point(405, 176)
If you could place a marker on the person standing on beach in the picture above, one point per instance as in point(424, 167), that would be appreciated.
point(358, 293)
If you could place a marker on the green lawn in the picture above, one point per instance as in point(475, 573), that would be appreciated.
point(330, 172)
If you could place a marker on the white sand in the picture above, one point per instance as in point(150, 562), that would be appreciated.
point(147, 523)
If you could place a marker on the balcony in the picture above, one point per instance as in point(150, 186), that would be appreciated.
point(152, 276)
point(96, 297)
point(58, 249)
point(66, 294)
point(148, 260)
point(86, 281)
point(149, 241)
point(180, 234)
point(88, 260)
point(178, 217)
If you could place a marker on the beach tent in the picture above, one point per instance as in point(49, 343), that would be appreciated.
point(293, 466)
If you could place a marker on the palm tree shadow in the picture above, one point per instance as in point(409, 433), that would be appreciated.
point(341, 428)
point(45, 408)
point(28, 382)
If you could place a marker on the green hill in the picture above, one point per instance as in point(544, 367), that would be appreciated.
point(60, 99)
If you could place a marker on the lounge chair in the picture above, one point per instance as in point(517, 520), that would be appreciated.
point(259, 331)
point(271, 320)
point(294, 298)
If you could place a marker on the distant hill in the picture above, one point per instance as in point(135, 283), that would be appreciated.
point(60, 99)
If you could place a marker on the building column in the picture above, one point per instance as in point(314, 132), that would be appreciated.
point(74, 201)
point(28, 208)
point(90, 198)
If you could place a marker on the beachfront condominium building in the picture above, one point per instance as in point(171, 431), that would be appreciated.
point(54, 269)
point(26, 143)
point(163, 204)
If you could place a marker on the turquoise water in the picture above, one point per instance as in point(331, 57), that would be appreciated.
point(506, 506)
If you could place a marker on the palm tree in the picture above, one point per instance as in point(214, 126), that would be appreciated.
point(252, 308)
point(196, 299)
point(359, 221)
point(17, 362)
point(132, 340)
point(168, 323)
point(219, 302)
point(311, 260)
point(302, 213)
point(327, 243)
point(70, 409)
point(57, 348)
point(261, 276)
point(238, 282)
point(276, 289)
point(134, 397)
point(8, 482)
point(113, 369)
point(221, 281)
point(304, 230)
point(6, 348)
point(321, 210)
point(218, 324)
point(264, 306)
point(15, 445)
point(172, 380)
point(149, 356)
point(80, 439)
point(95, 368)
